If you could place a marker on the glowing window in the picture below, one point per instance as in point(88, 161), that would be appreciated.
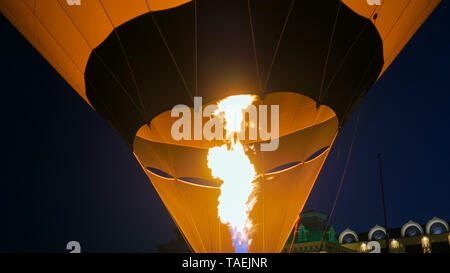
point(437, 228)
point(348, 239)
point(378, 235)
point(412, 231)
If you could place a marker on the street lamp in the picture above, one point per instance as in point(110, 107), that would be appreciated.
point(425, 241)
point(363, 247)
point(395, 244)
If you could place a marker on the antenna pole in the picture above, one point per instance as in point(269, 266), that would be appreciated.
point(384, 202)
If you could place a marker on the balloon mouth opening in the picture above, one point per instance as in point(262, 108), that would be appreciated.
point(292, 165)
point(200, 182)
point(159, 173)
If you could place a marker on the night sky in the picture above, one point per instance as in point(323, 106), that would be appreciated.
point(66, 175)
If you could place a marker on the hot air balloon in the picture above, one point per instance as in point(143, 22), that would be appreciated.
point(132, 61)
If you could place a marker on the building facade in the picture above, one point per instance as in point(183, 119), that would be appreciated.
point(308, 238)
point(433, 237)
point(412, 237)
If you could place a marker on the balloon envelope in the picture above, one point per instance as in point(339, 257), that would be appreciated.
point(132, 61)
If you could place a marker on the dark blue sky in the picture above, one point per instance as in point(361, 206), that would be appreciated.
point(66, 175)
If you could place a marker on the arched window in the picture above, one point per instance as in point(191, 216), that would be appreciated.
point(436, 226)
point(348, 239)
point(377, 233)
point(411, 229)
point(348, 236)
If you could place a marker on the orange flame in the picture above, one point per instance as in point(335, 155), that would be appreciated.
point(230, 164)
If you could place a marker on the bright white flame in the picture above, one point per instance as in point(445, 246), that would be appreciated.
point(230, 164)
point(233, 110)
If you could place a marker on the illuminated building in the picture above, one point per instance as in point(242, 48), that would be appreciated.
point(433, 237)
point(309, 236)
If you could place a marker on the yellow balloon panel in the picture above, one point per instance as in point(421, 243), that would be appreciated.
point(23, 17)
point(280, 198)
point(90, 19)
point(194, 210)
point(296, 112)
point(66, 34)
point(183, 161)
point(395, 20)
point(296, 147)
point(53, 18)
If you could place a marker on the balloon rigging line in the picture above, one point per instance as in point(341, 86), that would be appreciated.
point(424, 11)
point(170, 53)
point(290, 201)
point(356, 126)
point(75, 64)
point(196, 94)
point(373, 58)
point(250, 17)
point(360, 83)
point(188, 210)
point(357, 38)
point(278, 45)
point(99, 57)
point(173, 219)
point(10, 17)
point(258, 75)
point(341, 183)
point(298, 217)
point(133, 76)
point(380, 47)
point(180, 192)
point(35, 23)
point(295, 233)
point(196, 46)
point(113, 123)
point(349, 50)
point(182, 235)
point(120, 84)
point(396, 21)
point(328, 53)
point(56, 41)
point(196, 91)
